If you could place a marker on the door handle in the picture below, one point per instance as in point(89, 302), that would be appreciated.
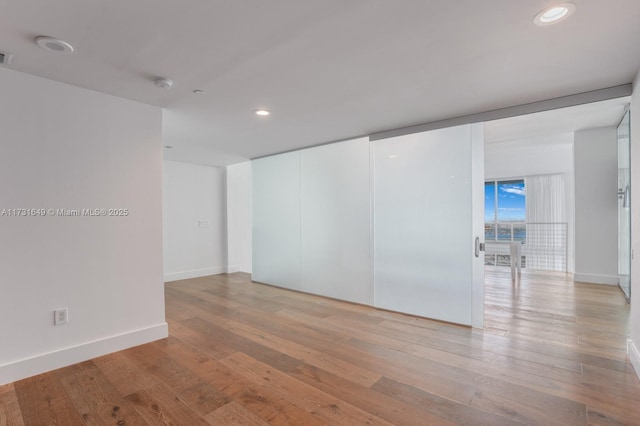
point(479, 246)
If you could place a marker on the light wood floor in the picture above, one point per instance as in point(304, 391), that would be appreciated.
point(553, 353)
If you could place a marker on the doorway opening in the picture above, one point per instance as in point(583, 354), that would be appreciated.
point(550, 183)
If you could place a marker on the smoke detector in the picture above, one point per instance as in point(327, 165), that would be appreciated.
point(5, 58)
point(163, 83)
point(54, 45)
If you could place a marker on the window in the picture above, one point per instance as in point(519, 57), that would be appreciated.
point(504, 201)
point(504, 217)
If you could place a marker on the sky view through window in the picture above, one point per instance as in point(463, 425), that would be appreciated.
point(510, 201)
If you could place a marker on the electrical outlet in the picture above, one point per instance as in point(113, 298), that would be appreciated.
point(60, 316)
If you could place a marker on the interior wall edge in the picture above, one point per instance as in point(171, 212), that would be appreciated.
point(634, 356)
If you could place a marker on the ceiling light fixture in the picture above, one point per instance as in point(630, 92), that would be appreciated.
point(198, 92)
point(262, 112)
point(163, 83)
point(54, 45)
point(554, 14)
point(168, 146)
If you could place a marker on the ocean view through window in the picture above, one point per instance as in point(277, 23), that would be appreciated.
point(505, 216)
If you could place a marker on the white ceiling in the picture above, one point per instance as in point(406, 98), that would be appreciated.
point(328, 70)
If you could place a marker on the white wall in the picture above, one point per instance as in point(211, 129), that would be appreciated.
point(634, 344)
point(239, 217)
point(69, 148)
point(537, 156)
point(529, 157)
point(195, 236)
point(596, 204)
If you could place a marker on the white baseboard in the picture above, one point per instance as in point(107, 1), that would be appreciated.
point(634, 356)
point(234, 268)
point(238, 268)
point(197, 273)
point(596, 279)
point(42, 363)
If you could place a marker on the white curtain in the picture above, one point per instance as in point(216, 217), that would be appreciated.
point(546, 246)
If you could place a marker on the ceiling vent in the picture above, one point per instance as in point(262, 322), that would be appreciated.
point(5, 58)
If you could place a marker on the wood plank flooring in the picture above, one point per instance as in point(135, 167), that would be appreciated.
point(241, 353)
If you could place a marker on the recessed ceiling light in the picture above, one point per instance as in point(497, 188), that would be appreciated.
point(163, 83)
point(198, 92)
point(554, 14)
point(54, 45)
point(168, 146)
point(393, 156)
point(262, 112)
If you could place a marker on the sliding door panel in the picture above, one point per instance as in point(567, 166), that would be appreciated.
point(424, 251)
point(624, 205)
point(276, 220)
point(336, 260)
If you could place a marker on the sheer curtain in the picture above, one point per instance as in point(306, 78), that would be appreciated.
point(547, 229)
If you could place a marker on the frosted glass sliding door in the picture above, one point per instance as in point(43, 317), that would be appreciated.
point(428, 210)
point(336, 217)
point(624, 205)
point(311, 221)
point(276, 220)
